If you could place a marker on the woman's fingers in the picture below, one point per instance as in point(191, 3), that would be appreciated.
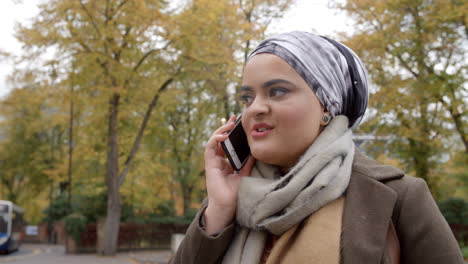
point(226, 127)
point(212, 145)
point(220, 134)
point(219, 149)
point(227, 169)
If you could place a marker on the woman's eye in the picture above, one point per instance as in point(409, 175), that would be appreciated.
point(246, 99)
point(277, 91)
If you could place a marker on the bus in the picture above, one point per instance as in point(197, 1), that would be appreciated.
point(11, 224)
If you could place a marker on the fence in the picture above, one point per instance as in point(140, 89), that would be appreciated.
point(461, 232)
point(131, 237)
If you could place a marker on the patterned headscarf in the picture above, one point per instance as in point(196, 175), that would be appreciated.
point(325, 69)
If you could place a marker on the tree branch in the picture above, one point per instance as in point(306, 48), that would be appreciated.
point(124, 42)
point(120, 5)
point(136, 143)
point(403, 62)
point(146, 55)
point(90, 17)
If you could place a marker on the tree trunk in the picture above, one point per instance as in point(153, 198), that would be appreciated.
point(113, 179)
point(227, 113)
point(70, 147)
point(112, 222)
point(187, 197)
point(459, 126)
point(420, 154)
point(49, 221)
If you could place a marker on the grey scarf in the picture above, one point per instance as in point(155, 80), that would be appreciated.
point(272, 203)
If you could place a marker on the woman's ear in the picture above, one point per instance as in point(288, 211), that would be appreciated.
point(326, 118)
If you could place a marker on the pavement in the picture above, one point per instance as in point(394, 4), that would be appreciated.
point(46, 253)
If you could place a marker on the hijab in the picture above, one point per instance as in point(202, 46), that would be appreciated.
point(333, 71)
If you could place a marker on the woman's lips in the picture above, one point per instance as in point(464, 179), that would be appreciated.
point(260, 130)
point(257, 134)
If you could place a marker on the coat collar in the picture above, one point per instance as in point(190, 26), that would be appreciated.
point(373, 169)
point(368, 210)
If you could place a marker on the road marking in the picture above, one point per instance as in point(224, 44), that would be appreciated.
point(34, 252)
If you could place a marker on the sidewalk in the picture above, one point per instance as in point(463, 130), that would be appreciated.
point(45, 254)
point(149, 256)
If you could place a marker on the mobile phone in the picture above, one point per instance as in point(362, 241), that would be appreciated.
point(236, 146)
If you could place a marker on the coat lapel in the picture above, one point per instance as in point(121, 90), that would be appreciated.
point(366, 218)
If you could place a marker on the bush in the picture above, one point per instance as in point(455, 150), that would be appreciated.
point(154, 219)
point(191, 213)
point(464, 251)
point(58, 209)
point(92, 207)
point(166, 208)
point(455, 210)
point(75, 224)
point(164, 214)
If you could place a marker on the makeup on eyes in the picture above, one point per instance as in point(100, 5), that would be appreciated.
point(270, 87)
point(273, 90)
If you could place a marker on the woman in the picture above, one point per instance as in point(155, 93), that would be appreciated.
point(307, 195)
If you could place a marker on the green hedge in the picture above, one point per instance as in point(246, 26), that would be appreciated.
point(58, 209)
point(75, 224)
point(455, 210)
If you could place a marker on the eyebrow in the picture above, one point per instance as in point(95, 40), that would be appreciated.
point(267, 84)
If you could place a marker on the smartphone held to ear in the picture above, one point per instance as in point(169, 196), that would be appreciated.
point(236, 146)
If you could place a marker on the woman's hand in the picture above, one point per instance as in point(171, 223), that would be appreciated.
point(222, 183)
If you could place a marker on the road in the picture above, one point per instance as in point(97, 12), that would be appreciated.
point(45, 254)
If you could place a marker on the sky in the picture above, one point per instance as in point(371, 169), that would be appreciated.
point(305, 15)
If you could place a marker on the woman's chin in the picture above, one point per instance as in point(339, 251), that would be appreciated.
point(266, 156)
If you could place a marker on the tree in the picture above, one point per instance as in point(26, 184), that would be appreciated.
point(258, 15)
point(119, 57)
point(114, 45)
point(220, 31)
point(30, 145)
point(185, 126)
point(415, 52)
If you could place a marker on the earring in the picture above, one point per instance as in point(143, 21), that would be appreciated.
point(326, 118)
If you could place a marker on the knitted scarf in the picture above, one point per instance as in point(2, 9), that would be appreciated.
point(269, 202)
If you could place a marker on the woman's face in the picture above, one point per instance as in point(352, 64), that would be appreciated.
point(282, 116)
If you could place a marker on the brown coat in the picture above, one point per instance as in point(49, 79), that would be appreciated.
point(377, 194)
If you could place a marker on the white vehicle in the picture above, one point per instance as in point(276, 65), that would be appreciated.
point(11, 224)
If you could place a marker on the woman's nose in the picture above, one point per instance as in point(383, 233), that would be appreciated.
point(259, 106)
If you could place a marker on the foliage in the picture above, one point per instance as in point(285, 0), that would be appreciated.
point(143, 84)
point(455, 210)
point(165, 214)
point(58, 209)
point(75, 224)
point(415, 52)
point(92, 207)
point(166, 208)
point(205, 92)
point(108, 48)
point(30, 144)
point(464, 249)
point(458, 167)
